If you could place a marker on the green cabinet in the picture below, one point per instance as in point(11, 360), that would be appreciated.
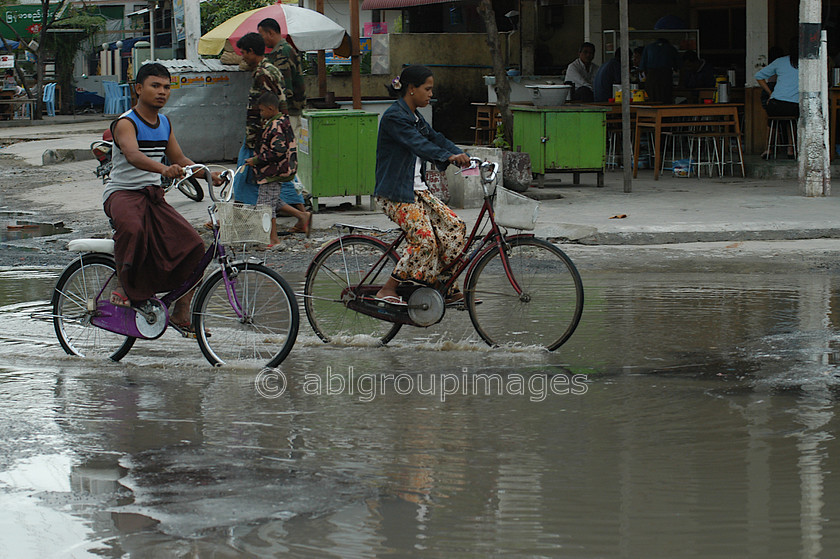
point(567, 138)
point(337, 153)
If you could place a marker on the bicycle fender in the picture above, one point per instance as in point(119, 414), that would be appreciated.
point(334, 242)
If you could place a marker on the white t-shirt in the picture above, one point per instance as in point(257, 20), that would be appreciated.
point(577, 73)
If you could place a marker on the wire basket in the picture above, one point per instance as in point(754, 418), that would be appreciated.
point(244, 224)
point(514, 210)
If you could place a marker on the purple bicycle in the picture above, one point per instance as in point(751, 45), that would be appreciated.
point(244, 312)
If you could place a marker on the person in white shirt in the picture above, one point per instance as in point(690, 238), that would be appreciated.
point(581, 72)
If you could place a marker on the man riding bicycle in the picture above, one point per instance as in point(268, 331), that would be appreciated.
point(155, 248)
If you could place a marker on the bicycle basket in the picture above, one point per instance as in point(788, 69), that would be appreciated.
point(514, 210)
point(243, 224)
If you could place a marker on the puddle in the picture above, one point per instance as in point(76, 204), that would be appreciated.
point(24, 225)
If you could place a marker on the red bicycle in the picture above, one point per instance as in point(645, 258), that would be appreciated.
point(519, 290)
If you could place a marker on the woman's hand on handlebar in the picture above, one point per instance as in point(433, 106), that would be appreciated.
point(460, 159)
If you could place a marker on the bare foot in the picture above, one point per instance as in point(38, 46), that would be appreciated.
point(119, 299)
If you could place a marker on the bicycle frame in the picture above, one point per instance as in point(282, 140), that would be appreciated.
point(215, 250)
point(468, 255)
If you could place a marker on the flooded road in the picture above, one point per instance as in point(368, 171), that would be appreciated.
point(691, 414)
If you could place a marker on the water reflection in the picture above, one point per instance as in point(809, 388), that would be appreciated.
point(707, 425)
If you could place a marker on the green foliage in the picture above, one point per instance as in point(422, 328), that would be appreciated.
point(499, 141)
point(216, 12)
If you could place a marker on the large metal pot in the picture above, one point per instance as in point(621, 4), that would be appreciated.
point(545, 95)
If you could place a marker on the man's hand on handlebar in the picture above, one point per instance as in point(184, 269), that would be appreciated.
point(173, 172)
point(461, 159)
point(217, 178)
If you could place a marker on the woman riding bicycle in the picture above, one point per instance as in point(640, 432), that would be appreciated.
point(406, 145)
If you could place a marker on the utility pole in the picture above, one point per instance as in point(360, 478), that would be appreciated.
point(814, 170)
point(626, 56)
point(192, 28)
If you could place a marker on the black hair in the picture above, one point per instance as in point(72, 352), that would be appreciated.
point(269, 99)
point(411, 75)
point(151, 69)
point(774, 53)
point(269, 24)
point(584, 45)
point(793, 46)
point(252, 42)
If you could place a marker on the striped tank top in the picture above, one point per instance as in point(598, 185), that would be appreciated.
point(152, 141)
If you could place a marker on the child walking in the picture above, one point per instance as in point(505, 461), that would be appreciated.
point(275, 165)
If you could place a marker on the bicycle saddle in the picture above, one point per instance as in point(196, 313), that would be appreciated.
point(91, 245)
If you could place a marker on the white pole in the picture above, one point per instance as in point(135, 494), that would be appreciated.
point(192, 27)
point(118, 61)
point(814, 177)
point(152, 31)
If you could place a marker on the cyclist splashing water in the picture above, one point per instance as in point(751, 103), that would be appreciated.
point(406, 145)
point(155, 248)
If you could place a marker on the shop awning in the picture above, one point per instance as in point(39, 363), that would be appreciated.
point(399, 4)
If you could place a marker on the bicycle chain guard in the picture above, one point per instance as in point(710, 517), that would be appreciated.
point(426, 306)
point(128, 321)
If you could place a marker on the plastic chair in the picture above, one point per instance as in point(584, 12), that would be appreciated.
point(124, 98)
point(111, 95)
point(49, 99)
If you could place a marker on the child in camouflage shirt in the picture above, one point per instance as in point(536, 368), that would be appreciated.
point(275, 165)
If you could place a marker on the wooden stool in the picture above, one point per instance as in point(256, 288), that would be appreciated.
point(776, 123)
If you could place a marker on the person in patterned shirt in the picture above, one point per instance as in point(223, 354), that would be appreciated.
point(266, 77)
point(275, 165)
point(285, 57)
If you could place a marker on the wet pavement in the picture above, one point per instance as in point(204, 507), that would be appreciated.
point(693, 412)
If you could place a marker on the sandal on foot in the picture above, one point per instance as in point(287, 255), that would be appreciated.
point(395, 300)
point(186, 329)
point(119, 300)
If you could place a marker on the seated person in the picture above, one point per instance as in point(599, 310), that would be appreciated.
point(784, 98)
point(695, 72)
point(155, 248)
point(581, 73)
point(608, 74)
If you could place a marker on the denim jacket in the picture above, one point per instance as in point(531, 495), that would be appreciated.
point(402, 139)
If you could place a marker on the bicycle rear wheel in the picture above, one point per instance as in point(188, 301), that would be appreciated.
point(547, 311)
point(266, 332)
point(75, 293)
point(341, 264)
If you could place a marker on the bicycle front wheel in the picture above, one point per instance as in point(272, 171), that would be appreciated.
point(547, 311)
point(191, 188)
point(74, 296)
point(339, 266)
point(262, 330)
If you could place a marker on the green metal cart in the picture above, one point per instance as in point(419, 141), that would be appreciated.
point(568, 139)
point(337, 153)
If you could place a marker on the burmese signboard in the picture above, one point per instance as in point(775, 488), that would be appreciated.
point(26, 20)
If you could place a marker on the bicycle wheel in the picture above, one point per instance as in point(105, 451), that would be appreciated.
point(191, 189)
point(340, 264)
point(74, 294)
point(267, 330)
point(549, 308)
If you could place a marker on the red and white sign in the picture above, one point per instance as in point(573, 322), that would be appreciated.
point(7, 60)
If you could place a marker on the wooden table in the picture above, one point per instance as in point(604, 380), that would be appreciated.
point(659, 117)
point(9, 104)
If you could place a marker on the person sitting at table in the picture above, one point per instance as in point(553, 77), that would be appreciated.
point(784, 98)
point(659, 60)
point(581, 71)
point(695, 72)
point(608, 74)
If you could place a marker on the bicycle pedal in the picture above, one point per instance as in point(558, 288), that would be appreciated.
point(184, 333)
